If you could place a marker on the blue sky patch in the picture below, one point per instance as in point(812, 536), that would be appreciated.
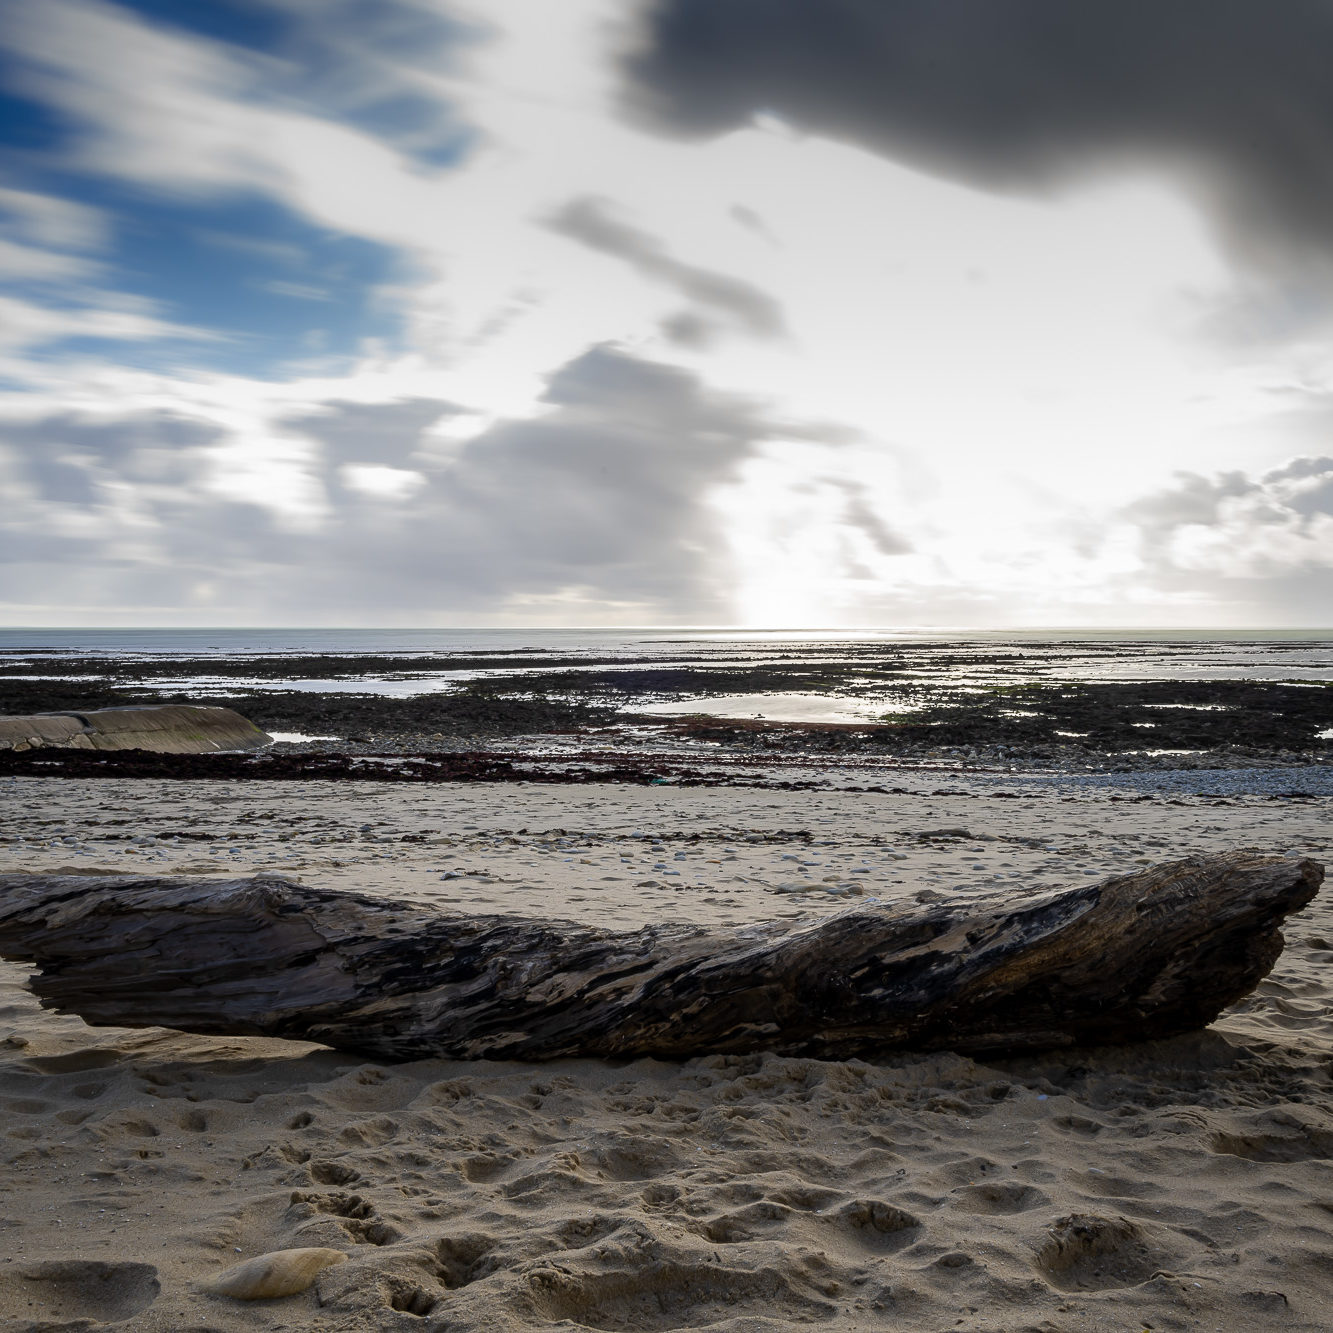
point(26, 126)
point(239, 22)
point(276, 286)
point(273, 287)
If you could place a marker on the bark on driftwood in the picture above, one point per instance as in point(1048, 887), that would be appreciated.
point(1133, 957)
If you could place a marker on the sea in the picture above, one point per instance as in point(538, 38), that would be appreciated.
point(1258, 649)
point(945, 659)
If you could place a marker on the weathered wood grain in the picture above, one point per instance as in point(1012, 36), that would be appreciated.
point(1132, 957)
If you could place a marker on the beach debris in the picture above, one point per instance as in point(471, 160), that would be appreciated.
point(162, 729)
point(1132, 957)
point(278, 1273)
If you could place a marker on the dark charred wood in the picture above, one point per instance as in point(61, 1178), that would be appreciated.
point(1133, 957)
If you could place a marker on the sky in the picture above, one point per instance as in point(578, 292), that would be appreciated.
point(766, 313)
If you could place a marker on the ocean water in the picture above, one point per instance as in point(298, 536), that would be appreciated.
point(231, 642)
point(1261, 651)
point(941, 660)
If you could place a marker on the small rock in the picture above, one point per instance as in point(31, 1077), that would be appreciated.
point(279, 1273)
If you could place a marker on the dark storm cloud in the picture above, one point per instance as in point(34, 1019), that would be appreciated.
point(591, 222)
point(604, 495)
point(1021, 95)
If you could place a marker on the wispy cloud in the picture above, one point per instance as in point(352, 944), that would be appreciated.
point(592, 222)
point(29, 324)
point(1237, 526)
point(52, 222)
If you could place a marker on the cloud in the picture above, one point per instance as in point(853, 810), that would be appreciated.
point(48, 221)
point(26, 324)
point(378, 434)
point(377, 67)
point(31, 264)
point(591, 222)
point(68, 459)
point(1026, 95)
point(1233, 537)
point(598, 501)
point(689, 329)
point(859, 514)
point(606, 493)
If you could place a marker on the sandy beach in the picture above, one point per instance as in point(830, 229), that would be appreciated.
point(1180, 1184)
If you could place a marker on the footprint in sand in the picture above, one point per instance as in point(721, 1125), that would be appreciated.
point(666, 1294)
point(372, 1133)
point(464, 1259)
point(25, 1106)
point(483, 1167)
point(1084, 1252)
point(747, 1223)
point(999, 1197)
point(1295, 1142)
point(276, 1156)
point(878, 1225)
point(658, 1197)
point(75, 1062)
point(113, 1129)
point(353, 1214)
point(575, 1233)
point(80, 1289)
point(409, 1299)
point(457, 1262)
point(324, 1172)
point(631, 1157)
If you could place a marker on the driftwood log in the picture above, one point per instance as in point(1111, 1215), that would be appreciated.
point(1132, 957)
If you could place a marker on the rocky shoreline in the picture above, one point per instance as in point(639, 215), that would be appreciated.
point(524, 707)
point(533, 716)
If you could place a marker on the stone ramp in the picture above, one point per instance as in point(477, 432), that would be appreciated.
point(164, 728)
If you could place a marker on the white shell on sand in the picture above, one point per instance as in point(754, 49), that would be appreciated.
point(278, 1273)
